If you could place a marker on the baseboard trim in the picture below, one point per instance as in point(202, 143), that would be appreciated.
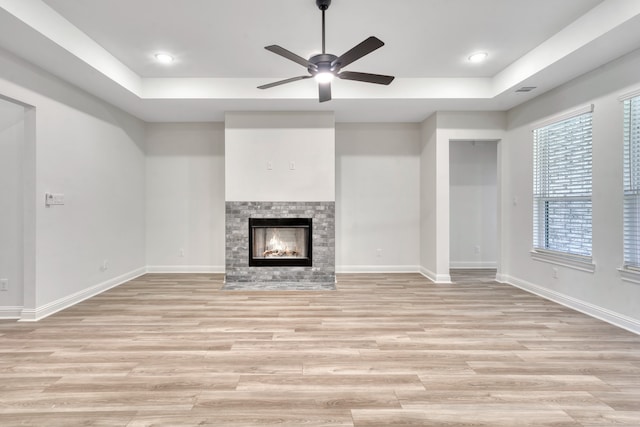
point(625, 322)
point(473, 264)
point(377, 269)
point(501, 278)
point(435, 278)
point(185, 269)
point(9, 312)
point(33, 315)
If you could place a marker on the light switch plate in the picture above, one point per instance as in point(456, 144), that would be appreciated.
point(51, 199)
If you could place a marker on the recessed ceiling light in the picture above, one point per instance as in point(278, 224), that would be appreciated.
point(478, 56)
point(164, 58)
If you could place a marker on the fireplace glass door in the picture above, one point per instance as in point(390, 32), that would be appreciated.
point(280, 242)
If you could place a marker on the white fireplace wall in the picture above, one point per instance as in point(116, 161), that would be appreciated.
point(280, 164)
point(279, 157)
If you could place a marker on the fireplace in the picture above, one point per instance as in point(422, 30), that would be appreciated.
point(280, 242)
point(301, 272)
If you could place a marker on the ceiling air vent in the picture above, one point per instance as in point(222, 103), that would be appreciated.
point(526, 89)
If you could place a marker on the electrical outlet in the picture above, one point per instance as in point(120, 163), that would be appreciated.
point(105, 265)
point(379, 253)
point(476, 249)
point(292, 165)
point(4, 285)
point(554, 273)
point(181, 253)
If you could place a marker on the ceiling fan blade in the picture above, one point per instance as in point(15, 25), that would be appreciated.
point(366, 77)
point(279, 50)
point(282, 82)
point(325, 92)
point(357, 52)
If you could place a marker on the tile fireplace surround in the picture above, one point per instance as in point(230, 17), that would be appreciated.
point(321, 275)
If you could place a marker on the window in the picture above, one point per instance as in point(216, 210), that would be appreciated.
point(562, 187)
point(632, 183)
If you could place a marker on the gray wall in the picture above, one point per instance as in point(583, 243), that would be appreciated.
point(602, 293)
point(92, 153)
point(473, 204)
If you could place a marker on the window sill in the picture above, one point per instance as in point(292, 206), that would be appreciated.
point(629, 274)
point(565, 260)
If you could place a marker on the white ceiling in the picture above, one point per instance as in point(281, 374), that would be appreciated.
point(106, 47)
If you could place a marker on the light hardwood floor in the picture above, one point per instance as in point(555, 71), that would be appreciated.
point(382, 350)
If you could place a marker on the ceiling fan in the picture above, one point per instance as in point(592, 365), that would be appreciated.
point(325, 66)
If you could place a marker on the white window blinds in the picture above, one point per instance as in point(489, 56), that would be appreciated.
point(632, 182)
point(562, 186)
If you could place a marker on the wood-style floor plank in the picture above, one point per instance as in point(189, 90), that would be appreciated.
point(467, 416)
point(382, 350)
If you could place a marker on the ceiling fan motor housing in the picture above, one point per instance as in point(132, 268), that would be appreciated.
point(323, 4)
point(321, 63)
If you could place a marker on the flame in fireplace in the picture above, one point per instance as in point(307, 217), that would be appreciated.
point(278, 248)
point(276, 244)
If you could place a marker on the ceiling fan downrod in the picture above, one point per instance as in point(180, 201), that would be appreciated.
point(323, 5)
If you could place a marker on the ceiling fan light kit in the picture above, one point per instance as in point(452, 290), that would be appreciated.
point(325, 66)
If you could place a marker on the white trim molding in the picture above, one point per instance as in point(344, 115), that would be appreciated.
point(629, 95)
point(185, 269)
point(563, 116)
point(616, 319)
point(9, 312)
point(470, 265)
point(377, 269)
point(501, 278)
point(629, 274)
point(33, 315)
point(565, 260)
point(435, 278)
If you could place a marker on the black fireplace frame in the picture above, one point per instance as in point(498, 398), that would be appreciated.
point(281, 223)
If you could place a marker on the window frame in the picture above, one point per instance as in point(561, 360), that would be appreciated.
point(567, 259)
point(629, 271)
